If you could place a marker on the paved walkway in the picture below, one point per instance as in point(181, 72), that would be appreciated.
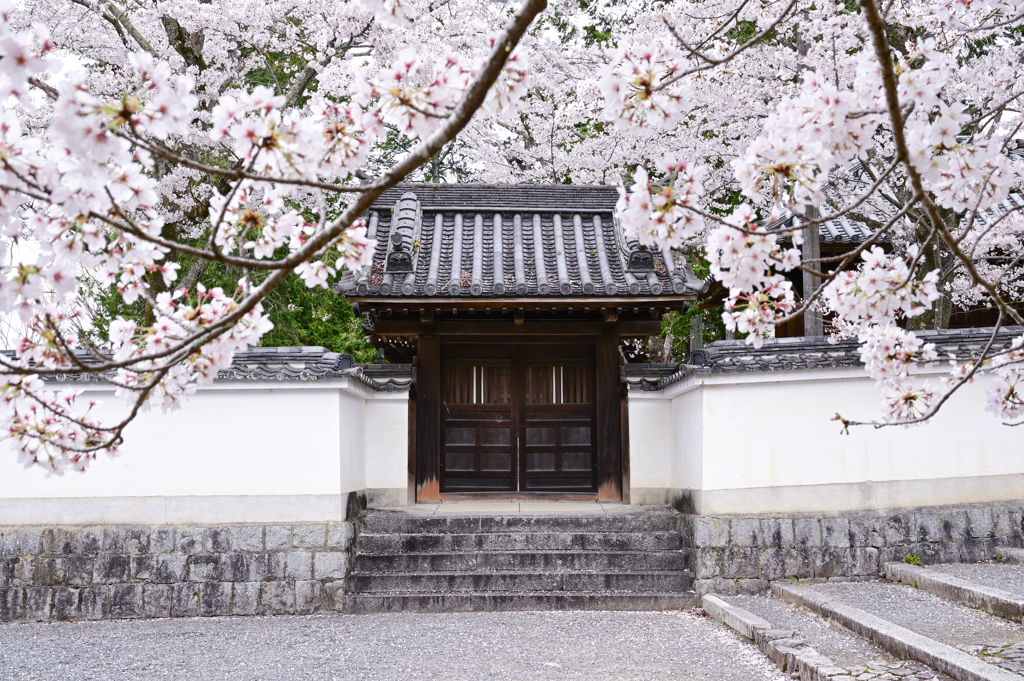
point(681, 646)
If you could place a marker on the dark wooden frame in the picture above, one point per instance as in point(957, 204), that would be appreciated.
point(425, 442)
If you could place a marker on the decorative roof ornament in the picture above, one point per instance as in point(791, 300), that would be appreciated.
point(641, 261)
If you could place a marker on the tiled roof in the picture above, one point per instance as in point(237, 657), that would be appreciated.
point(788, 354)
point(307, 363)
point(469, 240)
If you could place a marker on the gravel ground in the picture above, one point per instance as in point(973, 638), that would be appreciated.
point(844, 647)
point(998, 576)
point(926, 614)
point(552, 645)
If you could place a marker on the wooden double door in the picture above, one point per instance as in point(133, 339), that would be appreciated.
point(518, 418)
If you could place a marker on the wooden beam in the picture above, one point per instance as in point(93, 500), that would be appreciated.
point(486, 327)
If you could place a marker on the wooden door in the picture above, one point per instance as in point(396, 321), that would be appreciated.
point(518, 418)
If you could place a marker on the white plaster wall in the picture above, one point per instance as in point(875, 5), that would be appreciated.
point(762, 443)
point(235, 451)
point(761, 433)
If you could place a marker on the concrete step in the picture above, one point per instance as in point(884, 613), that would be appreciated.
point(409, 582)
point(519, 541)
point(522, 601)
point(397, 522)
point(522, 560)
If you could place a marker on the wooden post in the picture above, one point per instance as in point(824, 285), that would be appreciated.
point(608, 435)
point(811, 250)
point(428, 418)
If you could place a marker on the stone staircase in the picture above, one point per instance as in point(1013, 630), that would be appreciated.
point(406, 562)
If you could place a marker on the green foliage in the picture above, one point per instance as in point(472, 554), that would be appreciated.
point(913, 559)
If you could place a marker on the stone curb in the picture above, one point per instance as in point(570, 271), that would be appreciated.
point(791, 654)
point(1015, 556)
point(995, 601)
point(894, 638)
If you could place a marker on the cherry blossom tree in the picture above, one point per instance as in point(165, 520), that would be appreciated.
point(164, 130)
point(238, 133)
point(902, 117)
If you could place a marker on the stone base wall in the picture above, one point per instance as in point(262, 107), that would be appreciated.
point(115, 572)
point(732, 554)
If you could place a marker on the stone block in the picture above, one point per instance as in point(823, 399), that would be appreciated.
point(6, 572)
point(78, 570)
point(113, 540)
point(307, 597)
point(161, 540)
point(708, 562)
point(742, 563)
point(136, 540)
point(188, 540)
point(807, 532)
point(745, 533)
point(143, 568)
point(266, 566)
point(110, 569)
point(247, 538)
point(218, 540)
point(30, 542)
point(170, 568)
point(980, 522)
point(38, 603)
point(835, 532)
point(929, 528)
point(234, 567)
point(339, 536)
point(899, 529)
point(829, 562)
point(185, 600)
point(95, 603)
point(949, 552)
point(773, 564)
point(894, 554)
point(710, 532)
point(1007, 522)
point(954, 526)
point(214, 599)
point(8, 542)
point(90, 540)
point(66, 603)
point(309, 536)
point(246, 598)
point(12, 604)
point(798, 563)
point(59, 541)
point(203, 567)
point(332, 596)
point(863, 561)
point(126, 601)
point(778, 532)
point(277, 537)
point(299, 565)
point(156, 600)
point(330, 565)
point(22, 570)
point(277, 598)
point(45, 571)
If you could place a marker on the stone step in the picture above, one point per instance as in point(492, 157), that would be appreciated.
point(522, 560)
point(409, 582)
point(396, 522)
point(519, 541)
point(522, 601)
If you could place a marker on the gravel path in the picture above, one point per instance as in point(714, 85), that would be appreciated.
point(1006, 577)
point(844, 647)
point(926, 614)
point(682, 646)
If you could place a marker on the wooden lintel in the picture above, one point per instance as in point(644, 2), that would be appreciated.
point(630, 328)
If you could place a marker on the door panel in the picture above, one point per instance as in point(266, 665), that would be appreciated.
point(518, 418)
